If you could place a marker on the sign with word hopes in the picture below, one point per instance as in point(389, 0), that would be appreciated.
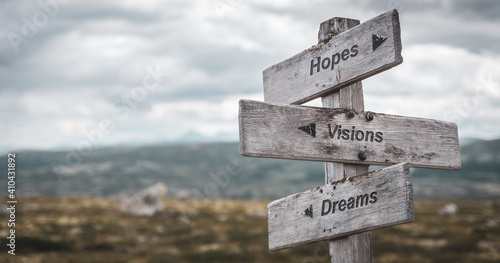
point(339, 135)
point(363, 51)
point(353, 205)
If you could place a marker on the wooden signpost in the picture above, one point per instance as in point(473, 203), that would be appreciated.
point(366, 50)
point(324, 134)
point(360, 203)
point(352, 202)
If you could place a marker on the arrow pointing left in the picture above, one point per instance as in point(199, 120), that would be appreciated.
point(309, 129)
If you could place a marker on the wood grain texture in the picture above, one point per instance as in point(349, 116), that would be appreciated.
point(335, 26)
point(356, 247)
point(294, 82)
point(370, 201)
point(352, 248)
point(272, 131)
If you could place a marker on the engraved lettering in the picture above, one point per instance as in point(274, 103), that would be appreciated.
point(345, 134)
point(315, 65)
point(345, 54)
point(327, 64)
point(332, 134)
point(368, 133)
point(354, 134)
point(362, 135)
point(363, 198)
point(342, 204)
point(348, 203)
point(326, 201)
point(373, 197)
point(335, 60)
point(333, 207)
point(354, 50)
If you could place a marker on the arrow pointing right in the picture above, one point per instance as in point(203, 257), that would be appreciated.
point(377, 40)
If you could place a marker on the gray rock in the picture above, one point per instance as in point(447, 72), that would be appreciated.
point(146, 202)
point(450, 209)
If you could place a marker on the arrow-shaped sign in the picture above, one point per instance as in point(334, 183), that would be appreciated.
point(270, 131)
point(361, 203)
point(337, 62)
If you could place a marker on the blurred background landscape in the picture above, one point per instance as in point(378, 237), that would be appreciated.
point(215, 207)
point(188, 170)
point(124, 119)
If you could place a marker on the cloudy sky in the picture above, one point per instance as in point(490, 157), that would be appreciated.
point(141, 72)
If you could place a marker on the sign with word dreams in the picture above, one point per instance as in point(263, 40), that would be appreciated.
point(340, 135)
point(342, 211)
point(361, 203)
point(363, 51)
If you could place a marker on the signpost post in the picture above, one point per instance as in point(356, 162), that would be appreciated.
point(358, 204)
point(352, 202)
point(358, 247)
point(366, 50)
point(366, 138)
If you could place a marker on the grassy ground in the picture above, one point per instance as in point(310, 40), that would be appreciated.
point(95, 230)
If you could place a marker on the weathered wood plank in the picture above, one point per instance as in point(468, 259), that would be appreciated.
point(363, 51)
point(357, 247)
point(352, 248)
point(322, 134)
point(366, 202)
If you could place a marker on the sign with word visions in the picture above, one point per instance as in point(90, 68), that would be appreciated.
point(340, 135)
point(363, 51)
point(353, 205)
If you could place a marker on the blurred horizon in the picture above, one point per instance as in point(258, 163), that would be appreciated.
point(218, 170)
point(119, 127)
point(99, 74)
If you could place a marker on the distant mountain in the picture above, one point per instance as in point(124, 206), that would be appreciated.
point(468, 140)
point(217, 170)
point(189, 170)
point(479, 176)
point(194, 137)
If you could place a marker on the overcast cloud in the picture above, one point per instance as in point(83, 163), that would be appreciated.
point(160, 71)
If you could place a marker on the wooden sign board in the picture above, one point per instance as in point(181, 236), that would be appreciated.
point(330, 135)
point(357, 204)
point(358, 53)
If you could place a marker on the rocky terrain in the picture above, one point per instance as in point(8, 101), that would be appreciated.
point(68, 229)
point(217, 170)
